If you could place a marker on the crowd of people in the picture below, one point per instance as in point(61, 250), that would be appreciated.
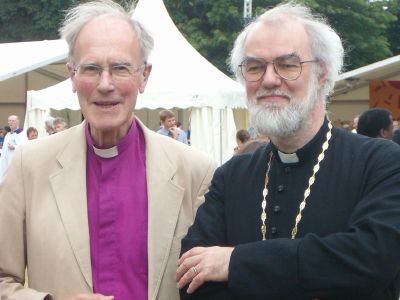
point(12, 135)
point(111, 210)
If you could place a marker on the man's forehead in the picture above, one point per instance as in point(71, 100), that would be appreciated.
point(277, 39)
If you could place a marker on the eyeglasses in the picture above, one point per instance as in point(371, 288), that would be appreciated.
point(118, 72)
point(288, 67)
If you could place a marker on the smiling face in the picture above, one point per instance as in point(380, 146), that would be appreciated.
point(279, 107)
point(106, 103)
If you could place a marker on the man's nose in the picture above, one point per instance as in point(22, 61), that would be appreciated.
point(105, 81)
point(271, 78)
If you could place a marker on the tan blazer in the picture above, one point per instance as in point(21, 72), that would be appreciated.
point(43, 214)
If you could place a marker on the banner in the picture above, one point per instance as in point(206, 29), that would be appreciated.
point(386, 94)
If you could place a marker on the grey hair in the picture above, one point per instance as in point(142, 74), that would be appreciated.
point(49, 122)
point(325, 43)
point(77, 17)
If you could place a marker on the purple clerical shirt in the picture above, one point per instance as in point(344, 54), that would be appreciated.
point(117, 212)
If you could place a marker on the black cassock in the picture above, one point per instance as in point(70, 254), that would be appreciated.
point(348, 240)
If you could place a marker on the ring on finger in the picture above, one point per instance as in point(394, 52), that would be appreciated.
point(195, 271)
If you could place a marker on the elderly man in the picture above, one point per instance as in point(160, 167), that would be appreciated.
point(316, 213)
point(10, 143)
point(98, 211)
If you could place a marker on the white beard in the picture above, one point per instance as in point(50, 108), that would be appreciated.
point(273, 119)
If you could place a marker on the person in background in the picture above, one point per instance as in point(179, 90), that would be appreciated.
point(59, 124)
point(10, 143)
point(242, 136)
point(49, 125)
point(169, 128)
point(395, 125)
point(376, 123)
point(97, 211)
point(32, 133)
point(251, 146)
point(315, 214)
point(355, 123)
point(2, 134)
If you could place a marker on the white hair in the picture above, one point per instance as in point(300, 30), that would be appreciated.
point(325, 44)
point(77, 17)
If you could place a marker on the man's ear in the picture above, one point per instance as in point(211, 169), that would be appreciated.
point(384, 133)
point(145, 74)
point(70, 68)
point(323, 74)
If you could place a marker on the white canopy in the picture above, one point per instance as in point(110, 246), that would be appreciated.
point(180, 78)
point(19, 58)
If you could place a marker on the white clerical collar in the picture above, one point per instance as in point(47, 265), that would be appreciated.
point(106, 153)
point(288, 158)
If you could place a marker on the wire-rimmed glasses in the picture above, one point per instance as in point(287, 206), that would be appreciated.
point(118, 72)
point(288, 67)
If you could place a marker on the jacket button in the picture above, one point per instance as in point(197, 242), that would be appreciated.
point(288, 169)
point(280, 188)
point(277, 209)
point(274, 230)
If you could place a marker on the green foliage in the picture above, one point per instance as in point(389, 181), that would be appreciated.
point(209, 25)
point(369, 30)
point(27, 20)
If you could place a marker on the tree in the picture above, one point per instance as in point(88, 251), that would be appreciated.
point(27, 20)
point(394, 26)
point(365, 27)
point(209, 25)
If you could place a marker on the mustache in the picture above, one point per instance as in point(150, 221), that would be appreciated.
point(277, 92)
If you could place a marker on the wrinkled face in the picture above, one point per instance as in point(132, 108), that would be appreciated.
point(13, 122)
point(169, 122)
point(59, 127)
point(108, 101)
point(279, 107)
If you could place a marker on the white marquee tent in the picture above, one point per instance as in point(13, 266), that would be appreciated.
point(181, 78)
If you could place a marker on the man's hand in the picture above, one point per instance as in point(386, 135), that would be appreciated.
point(91, 297)
point(174, 131)
point(11, 146)
point(201, 264)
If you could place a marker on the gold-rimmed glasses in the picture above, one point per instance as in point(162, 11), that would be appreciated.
point(288, 67)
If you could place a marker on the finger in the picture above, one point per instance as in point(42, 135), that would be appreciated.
point(188, 277)
point(192, 252)
point(186, 265)
point(196, 282)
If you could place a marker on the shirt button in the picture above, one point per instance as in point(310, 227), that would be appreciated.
point(280, 188)
point(277, 209)
point(274, 230)
point(288, 169)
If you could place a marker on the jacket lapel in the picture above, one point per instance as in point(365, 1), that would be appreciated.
point(69, 187)
point(164, 202)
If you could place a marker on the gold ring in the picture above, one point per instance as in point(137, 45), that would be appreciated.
point(194, 270)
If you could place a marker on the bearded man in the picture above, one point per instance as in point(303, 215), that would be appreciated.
point(315, 214)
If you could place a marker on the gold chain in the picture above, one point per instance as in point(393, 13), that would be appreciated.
point(306, 192)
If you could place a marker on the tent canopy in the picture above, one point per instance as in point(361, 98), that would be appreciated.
point(384, 70)
point(19, 58)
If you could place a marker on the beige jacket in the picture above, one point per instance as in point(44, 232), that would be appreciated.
point(43, 215)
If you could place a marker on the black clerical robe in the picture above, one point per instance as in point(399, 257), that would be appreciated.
point(348, 240)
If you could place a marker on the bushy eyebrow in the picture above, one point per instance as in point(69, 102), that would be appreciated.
point(285, 56)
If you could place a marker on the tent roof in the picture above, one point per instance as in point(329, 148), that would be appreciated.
point(19, 58)
point(384, 69)
point(181, 76)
